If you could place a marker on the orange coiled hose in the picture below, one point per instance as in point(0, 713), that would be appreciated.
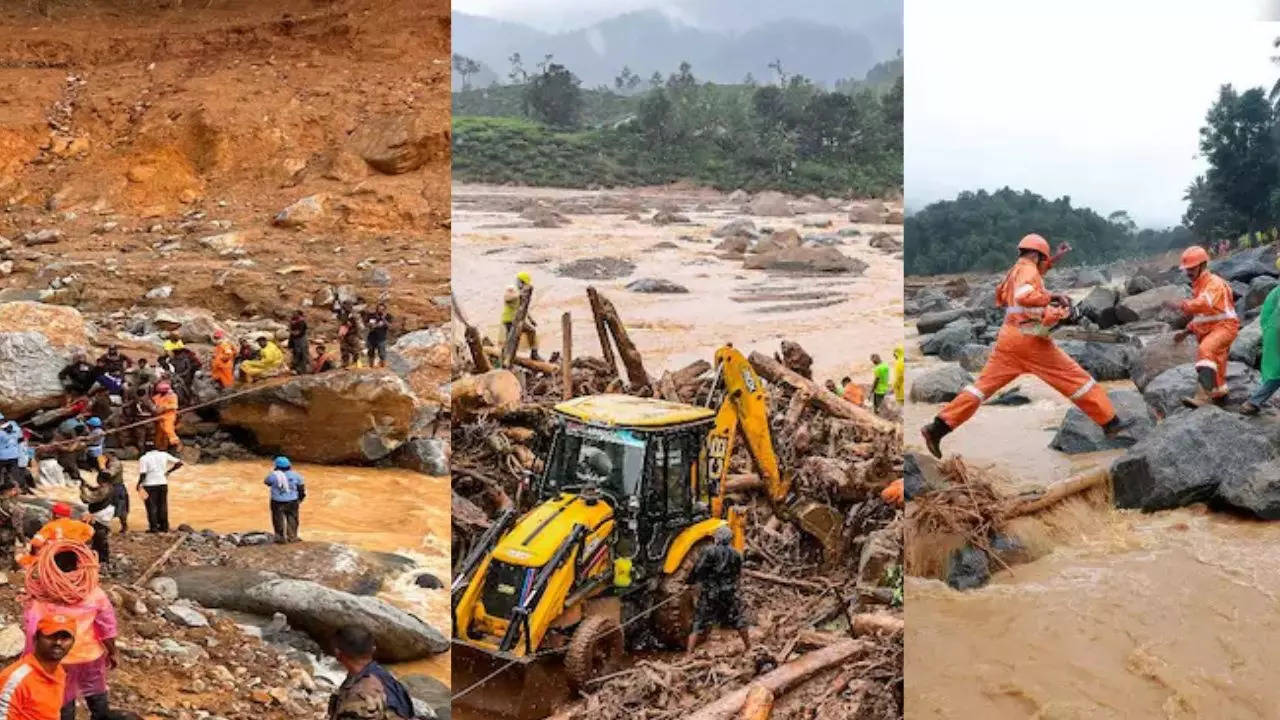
point(46, 582)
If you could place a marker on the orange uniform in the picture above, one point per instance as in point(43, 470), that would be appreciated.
point(57, 529)
point(167, 420)
point(1214, 323)
point(29, 692)
point(853, 393)
point(224, 361)
point(1023, 346)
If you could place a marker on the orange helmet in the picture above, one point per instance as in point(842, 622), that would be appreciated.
point(1035, 242)
point(1194, 256)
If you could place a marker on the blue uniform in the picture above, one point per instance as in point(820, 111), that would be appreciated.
point(10, 442)
point(284, 485)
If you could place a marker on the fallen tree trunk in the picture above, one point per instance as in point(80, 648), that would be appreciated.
point(773, 371)
point(541, 366)
point(517, 327)
point(784, 678)
point(472, 336)
point(743, 482)
point(1028, 503)
point(759, 704)
point(631, 359)
point(606, 346)
point(877, 624)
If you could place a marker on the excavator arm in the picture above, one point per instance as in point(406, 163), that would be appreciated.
point(744, 408)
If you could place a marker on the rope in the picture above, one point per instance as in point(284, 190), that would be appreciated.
point(46, 582)
point(544, 653)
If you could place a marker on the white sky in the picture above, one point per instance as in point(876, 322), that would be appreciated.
point(551, 15)
point(1091, 102)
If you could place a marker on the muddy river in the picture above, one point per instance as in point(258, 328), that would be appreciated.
point(839, 319)
point(1125, 615)
point(374, 509)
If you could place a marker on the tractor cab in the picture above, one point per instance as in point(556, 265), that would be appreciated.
point(641, 456)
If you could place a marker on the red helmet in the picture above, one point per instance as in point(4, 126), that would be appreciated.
point(163, 387)
point(1035, 242)
point(61, 510)
point(1194, 256)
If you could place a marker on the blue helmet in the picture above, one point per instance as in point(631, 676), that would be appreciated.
point(95, 422)
point(282, 463)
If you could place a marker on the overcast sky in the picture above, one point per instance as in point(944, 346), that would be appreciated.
point(1106, 111)
point(552, 15)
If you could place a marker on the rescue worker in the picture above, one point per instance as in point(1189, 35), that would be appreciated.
point(1267, 320)
point(135, 410)
point(113, 474)
point(880, 383)
point(12, 515)
point(173, 343)
point(144, 375)
point(716, 572)
point(269, 362)
point(288, 490)
point(369, 692)
point(61, 527)
point(511, 305)
point(224, 361)
point(68, 443)
point(34, 685)
point(79, 376)
point(831, 385)
point(113, 361)
point(96, 442)
point(165, 401)
point(153, 480)
point(94, 652)
point(899, 375)
point(323, 361)
point(1024, 346)
point(1214, 323)
point(349, 336)
point(11, 453)
point(298, 347)
point(379, 324)
point(852, 391)
point(99, 496)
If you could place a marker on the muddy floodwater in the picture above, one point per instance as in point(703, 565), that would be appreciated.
point(1126, 615)
point(838, 318)
point(374, 509)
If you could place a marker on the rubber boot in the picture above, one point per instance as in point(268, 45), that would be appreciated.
point(1115, 426)
point(933, 434)
point(1249, 409)
point(1206, 377)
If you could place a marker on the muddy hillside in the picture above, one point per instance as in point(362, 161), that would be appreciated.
point(1086, 548)
point(694, 267)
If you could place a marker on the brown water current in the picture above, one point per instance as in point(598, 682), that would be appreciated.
point(1123, 615)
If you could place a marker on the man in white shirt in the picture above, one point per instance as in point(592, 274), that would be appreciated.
point(153, 481)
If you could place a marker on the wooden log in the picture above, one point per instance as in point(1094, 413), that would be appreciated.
point(566, 356)
point(160, 561)
point(517, 327)
point(877, 624)
point(759, 704)
point(606, 345)
point(689, 374)
point(832, 404)
point(472, 336)
point(780, 580)
point(784, 678)
point(631, 359)
point(743, 482)
point(1028, 503)
point(541, 366)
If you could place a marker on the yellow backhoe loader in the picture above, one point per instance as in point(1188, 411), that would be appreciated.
point(631, 491)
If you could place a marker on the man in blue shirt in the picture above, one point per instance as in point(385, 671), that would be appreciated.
point(287, 492)
point(11, 453)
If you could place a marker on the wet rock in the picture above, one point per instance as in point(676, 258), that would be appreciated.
point(425, 455)
point(739, 196)
point(870, 212)
point(1149, 305)
point(598, 268)
point(742, 227)
point(185, 615)
point(973, 357)
point(194, 325)
point(1247, 347)
point(1100, 306)
point(940, 385)
point(929, 300)
point(1088, 277)
point(1238, 291)
point(165, 587)
point(1158, 354)
point(1013, 397)
point(735, 245)
point(544, 216)
point(332, 418)
point(1256, 492)
point(1163, 472)
point(770, 204)
point(1104, 361)
point(921, 474)
point(1165, 393)
point(1138, 284)
point(805, 260)
point(667, 217)
point(882, 550)
point(36, 341)
point(1080, 434)
point(428, 581)
point(655, 285)
point(935, 321)
point(1246, 265)
point(312, 608)
point(302, 213)
point(950, 340)
point(397, 144)
point(1259, 288)
point(968, 568)
point(885, 243)
point(779, 240)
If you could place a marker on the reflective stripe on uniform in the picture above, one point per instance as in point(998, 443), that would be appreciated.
point(6, 694)
point(1016, 309)
point(1083, 389)
point(1228, 315)
point(1023, 289)
point(974, 392)
point(1207, 364)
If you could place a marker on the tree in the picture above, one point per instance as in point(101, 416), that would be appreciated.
point(466, 67)
point(517, 75)
point(776, 66)
point(1238, 141)
point(655, 80)
point(626, 81)
point(749, 80)
point(554, 96)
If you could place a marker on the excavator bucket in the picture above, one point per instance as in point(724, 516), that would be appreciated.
point(821, 522)
point(511, 687)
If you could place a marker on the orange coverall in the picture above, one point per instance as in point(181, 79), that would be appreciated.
point(1214, 323)
point(167, 422)
point(1020, 350)
point(224, 360)
point(29, 692)
point(56, 529)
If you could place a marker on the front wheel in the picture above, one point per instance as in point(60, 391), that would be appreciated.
point(673, 621)
point(595, 650)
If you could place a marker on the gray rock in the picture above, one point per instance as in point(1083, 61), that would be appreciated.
point(185, 615)
point(1100, 306)
point(742, 227)
point(973, 357)
point(1165, 393)
point(805, 260)
point(1138, 284)
point(29, 366)
point(921, 474)
point(968, 568)
point(1080, 434)
point(1247, 347)
point(932, 322)
point(160, 293)
point(950, 340)
point(1104, 361)
point(1238, 291)
point(42, 237)
point(379, 276)
point(1149, 305)
point(165, 587)
point(1186, 457)
point(1257, 491)
point(1157, 354)
point(655, 285)
point(302, 213)
point(1259, 288)
point(425, 455)
point(882, 549)
point(940, 385)
point(1088, 277)
point(770, 204)
point(929, 300)
point(1246, 265)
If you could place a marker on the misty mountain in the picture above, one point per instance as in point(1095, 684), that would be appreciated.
point(652, 40)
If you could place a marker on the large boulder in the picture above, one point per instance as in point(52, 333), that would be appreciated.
point(1138, 284)
point(424, 359)
point(1104, 361)
point(921, 474)
point(870, 212)
point(932, 322)
point(1149, 305)
point(1247, 347)
point(1257, 491)
point(973, 357)
point(1246, 265)
point(1088, 277)
point(347, 416)
point(36, 341)
point(194, 325)
point(1259, 288)
point(770, 204)
point(1165, 393)
point(494, 392)
point(1100, 306)
point(429, 456)
point(950, 340)
point(805, 260)
point(398, 143)
point(742, 227)
point(940, 385)
point(1080, 434)
point(313, 608)
point(1186, 457)
point(929, 300)
point(302, 213)
point(1158, 354)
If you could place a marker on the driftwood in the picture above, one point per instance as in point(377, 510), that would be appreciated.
point(566, 355)
point(472, 336)
point(784, 678)
point(1028, 503)
point(160, 561)
point(631, 359)
point(606, 345)
point(517, 327)
point(780, 580)
point(877, 624)
point(773, 371)
point(541, 366)
point(759, 704)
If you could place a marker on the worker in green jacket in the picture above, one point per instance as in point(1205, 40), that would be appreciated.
point(881, 386)
point(511, 305)
point(1270, 353)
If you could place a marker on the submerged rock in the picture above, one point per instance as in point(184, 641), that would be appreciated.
point(1080, 434)
point(940, 385)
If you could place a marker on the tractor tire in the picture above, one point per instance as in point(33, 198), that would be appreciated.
point(673, 621)
point(595, 649)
